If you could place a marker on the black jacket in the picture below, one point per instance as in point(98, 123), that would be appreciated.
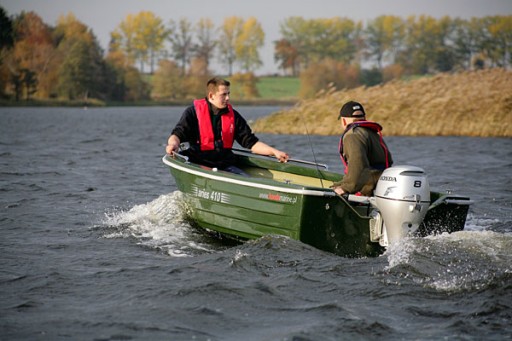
point(187, 130)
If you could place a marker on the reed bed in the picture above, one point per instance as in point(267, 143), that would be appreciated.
point(472, 103)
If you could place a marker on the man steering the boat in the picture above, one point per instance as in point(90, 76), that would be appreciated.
point(363, 152)
point(211, 125)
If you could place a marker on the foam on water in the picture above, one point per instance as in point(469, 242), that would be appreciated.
point(161, 224)
point(475, 223)
point(465, 260)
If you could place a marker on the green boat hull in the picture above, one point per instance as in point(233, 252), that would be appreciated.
point(291, 199)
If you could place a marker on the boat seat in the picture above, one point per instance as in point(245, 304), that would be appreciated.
point(288, 178)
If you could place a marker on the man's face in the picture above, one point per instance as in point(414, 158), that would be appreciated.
point(221, 98)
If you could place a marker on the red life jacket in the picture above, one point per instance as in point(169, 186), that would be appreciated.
point(365, 124)
point(206, 134)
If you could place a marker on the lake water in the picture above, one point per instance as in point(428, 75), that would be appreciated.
point(95, 244)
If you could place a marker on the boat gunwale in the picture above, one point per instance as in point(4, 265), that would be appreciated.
point(285, 188)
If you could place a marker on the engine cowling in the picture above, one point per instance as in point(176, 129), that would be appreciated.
point(402, 196)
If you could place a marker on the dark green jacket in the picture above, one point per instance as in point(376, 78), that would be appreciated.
point(366, 160)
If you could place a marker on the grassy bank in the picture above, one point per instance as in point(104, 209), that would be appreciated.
point(278, 88)
point(476, 103)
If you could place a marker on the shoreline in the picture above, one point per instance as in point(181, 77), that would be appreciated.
point(100, 104)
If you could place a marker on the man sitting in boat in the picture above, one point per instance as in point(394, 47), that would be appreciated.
point(211, 125)
point(363, 151)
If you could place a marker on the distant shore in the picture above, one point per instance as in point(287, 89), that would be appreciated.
point(95, 103)
point(471, 103)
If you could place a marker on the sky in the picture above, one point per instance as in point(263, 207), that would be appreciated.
point(103, 16)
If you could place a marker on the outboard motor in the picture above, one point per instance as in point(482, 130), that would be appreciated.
point(402, 197)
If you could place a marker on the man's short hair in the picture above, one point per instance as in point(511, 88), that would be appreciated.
point(214, 83)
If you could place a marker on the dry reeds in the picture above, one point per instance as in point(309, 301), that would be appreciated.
point(473, 103)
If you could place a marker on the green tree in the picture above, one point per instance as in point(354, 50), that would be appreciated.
point(465, 40)
point(137, 89)
point(6, 31)
point(124, 80)
point(318, 39)
point(333, 38)
point(116, 66)
point(29, 81)
point(499, 30)
point(76, 76)
point(82, 72)
point(383, 36)
point(294, 31)
point(425, 44)
point(6, 43)
point(371, 77)
point(17, 85)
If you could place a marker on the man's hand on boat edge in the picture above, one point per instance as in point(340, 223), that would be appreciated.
point(264, 149)
point(281, 156)
point(173, 145)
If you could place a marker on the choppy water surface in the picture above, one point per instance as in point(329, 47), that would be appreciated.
point(95, 244)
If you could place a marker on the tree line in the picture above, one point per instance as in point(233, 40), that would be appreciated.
point(150, 59)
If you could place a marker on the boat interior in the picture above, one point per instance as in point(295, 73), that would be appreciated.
point(296, 172)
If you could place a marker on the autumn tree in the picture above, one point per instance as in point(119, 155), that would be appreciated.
point(287, 57)
point(250, 39)
point(167, 81)
point(141, 37)
point(244, 86)
point(328, 74)
point(239, 42)
point(230, 30)
point(181, 42)
point(82, 72)
point(125, 80)
point(31, 56)
point(205, 47)
point(196, 79)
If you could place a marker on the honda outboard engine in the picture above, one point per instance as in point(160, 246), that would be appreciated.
point(402, 197)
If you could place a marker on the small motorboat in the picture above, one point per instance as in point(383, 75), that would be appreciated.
point(294, 199)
